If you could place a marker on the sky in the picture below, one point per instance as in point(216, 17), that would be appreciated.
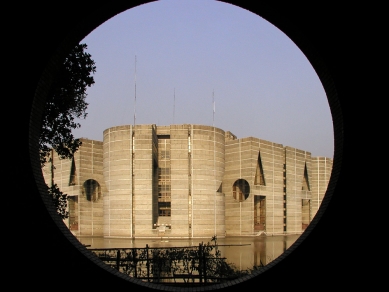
point(205, 62)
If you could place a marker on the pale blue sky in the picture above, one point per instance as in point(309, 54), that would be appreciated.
point(193, 53)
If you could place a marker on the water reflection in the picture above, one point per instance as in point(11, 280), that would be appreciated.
point(243, 252)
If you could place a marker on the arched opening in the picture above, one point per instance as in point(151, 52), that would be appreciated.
point(91, 190)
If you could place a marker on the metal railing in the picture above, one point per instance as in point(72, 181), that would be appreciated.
point(200, 264)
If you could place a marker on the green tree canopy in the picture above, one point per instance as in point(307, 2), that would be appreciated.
point(65, 103)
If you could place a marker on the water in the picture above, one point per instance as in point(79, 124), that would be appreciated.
point(243, 252)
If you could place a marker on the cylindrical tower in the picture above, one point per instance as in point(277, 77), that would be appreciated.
point(117, 169)
point(207, 170)
point(164, 181)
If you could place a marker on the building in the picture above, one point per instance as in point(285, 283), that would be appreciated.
point(187, 181)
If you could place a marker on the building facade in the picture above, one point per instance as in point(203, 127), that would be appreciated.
point(187, 181)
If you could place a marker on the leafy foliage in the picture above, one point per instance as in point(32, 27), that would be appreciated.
point(60, 201)
point(218, 268)
point(65, 103)
point(201, 265)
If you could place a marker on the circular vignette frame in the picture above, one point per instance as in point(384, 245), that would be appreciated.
point(108, 10)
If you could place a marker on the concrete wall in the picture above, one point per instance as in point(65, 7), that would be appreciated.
point(180, 177)
point(196, 165)
point(73, 176)
point(207, 169)
point(117, 168)
point(295, 161)
point(241, 163)
point(321, 173)
point(210, 182)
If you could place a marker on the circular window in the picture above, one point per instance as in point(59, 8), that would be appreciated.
point(241, 190)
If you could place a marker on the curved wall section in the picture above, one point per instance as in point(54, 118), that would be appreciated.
point(185, 181)
point(117, 169)
point(207, 170)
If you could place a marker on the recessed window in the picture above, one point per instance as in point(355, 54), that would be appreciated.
point(92, 190)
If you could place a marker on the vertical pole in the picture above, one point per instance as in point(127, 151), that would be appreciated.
point(135, 93)
point(204, 265)
point(213, 103)
point(200, 262)
point(135, 262)
point(117, 259)
point(147, 263)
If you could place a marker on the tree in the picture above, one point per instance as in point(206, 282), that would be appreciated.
point(66, 103)
point(60, 200)
point(202, 265)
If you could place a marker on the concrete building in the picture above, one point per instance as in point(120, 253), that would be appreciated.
point(186, 181)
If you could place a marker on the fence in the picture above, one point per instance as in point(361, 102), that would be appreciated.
point(200, 265)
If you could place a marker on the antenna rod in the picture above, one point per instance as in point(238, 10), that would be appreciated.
point(135, 94)
point(213, 100)
point(174, 104)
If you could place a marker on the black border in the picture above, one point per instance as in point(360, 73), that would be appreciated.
point(40, 251)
